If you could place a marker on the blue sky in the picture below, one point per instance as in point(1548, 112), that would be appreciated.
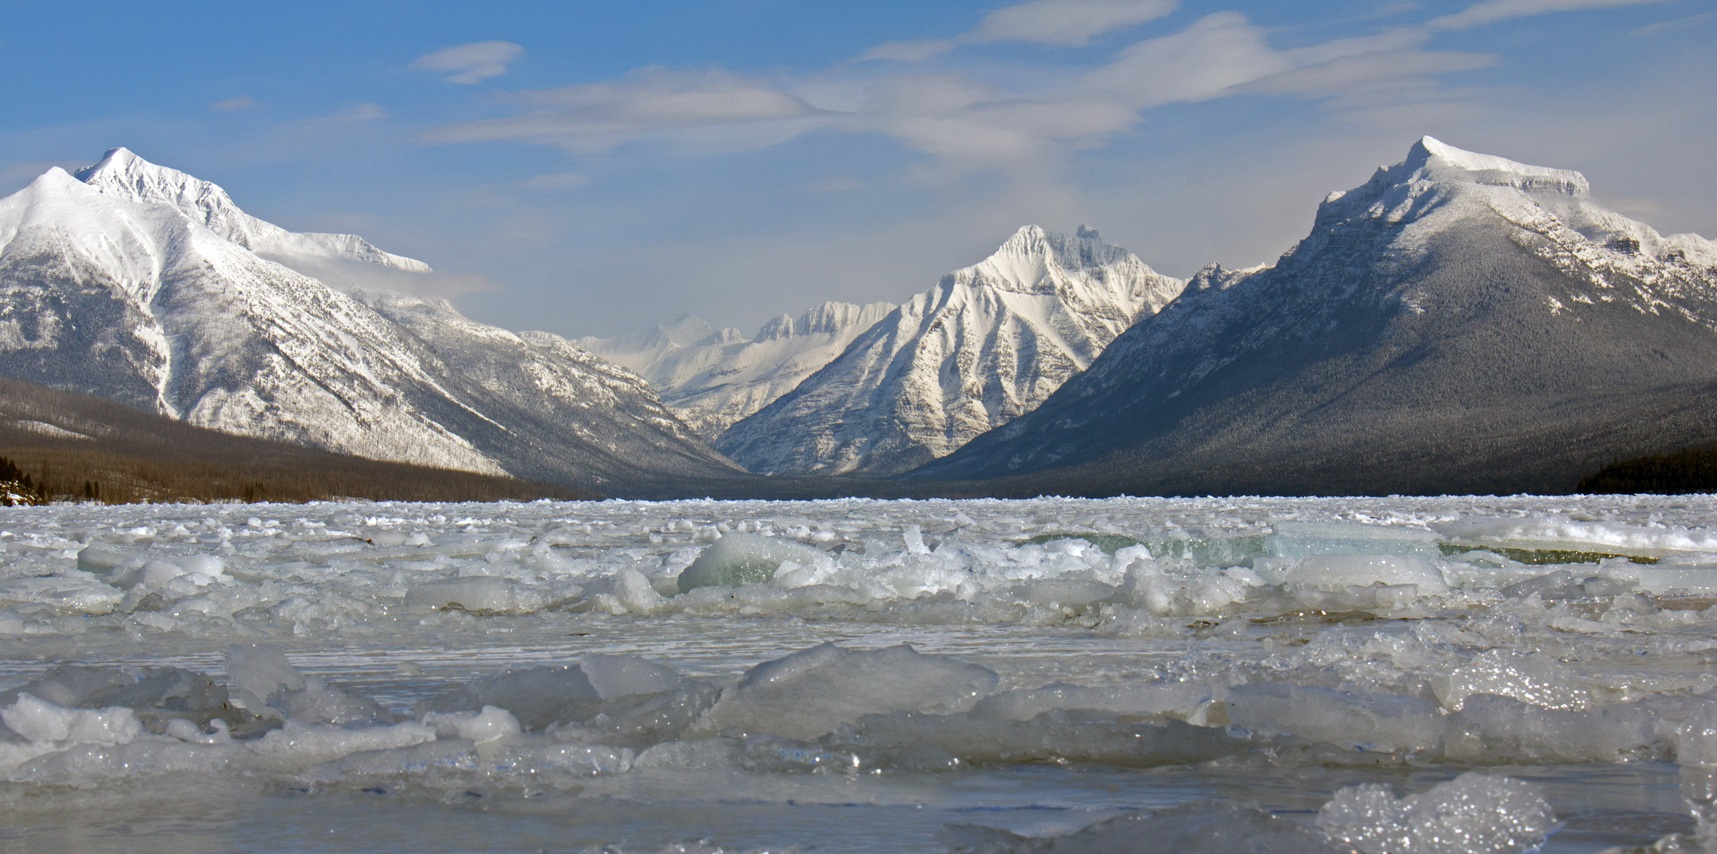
point(595, 167)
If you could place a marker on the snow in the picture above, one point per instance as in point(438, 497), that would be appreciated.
point(713, 378)
point(987, 344)
point(122, 174)
point(1051, 674)
point(1537, 176)
point(196, 310)
point(1476, 266)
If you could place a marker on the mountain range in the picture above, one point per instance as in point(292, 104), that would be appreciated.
point(1459, 323)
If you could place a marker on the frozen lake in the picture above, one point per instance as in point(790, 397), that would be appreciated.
point(1390, 674)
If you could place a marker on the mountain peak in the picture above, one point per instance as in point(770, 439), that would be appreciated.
point(1024, 260)
point(1432, 154)
point(115, 159)
point(121, 172)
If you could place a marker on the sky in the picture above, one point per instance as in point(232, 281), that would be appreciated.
point(595, 167)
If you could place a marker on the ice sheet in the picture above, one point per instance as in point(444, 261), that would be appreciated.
point(976, 661)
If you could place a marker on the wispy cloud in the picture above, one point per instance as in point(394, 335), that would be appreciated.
point(557, 181)
point(233, 105)
point(1494, 11)
point(650, 101)
point(1217, 56)
point(471, 63)
point(366, 112)
point(1686, 23)
point(995, 114)
point(1067, 22)
point(917, 51)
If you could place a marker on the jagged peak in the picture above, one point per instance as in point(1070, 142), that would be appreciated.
point(827, 318)
point(779, 326)
point(1026, 258)
point(120, 158)
point(1037, 240)
point(121, 169)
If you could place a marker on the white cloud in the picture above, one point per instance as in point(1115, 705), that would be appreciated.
point(471, 63)
point(1213, 55)
point(999, 115)
point(1688, 22)
point(366, 112)
point(349, 275)
point(1493, 11)
point(651, 101)
point(918, 51)
point(556, 181)
point(1067, 22)
point(231, 105)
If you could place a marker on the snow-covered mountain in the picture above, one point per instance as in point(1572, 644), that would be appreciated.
point(145, 285)
point(1459, 323)
point(123, 175)
point(986, 344)
point(712, 378)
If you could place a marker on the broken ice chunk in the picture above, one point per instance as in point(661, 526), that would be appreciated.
point(614, 676)
point(1295, 540)
point(1369, 722)
point(478, 594)
point(1336, 572)
point(812, 692)
point(537, 696)
point(1473, 814)
point(490, 724)
point(1528, 677)
point(257, 671)
point(41, 721)
point(738, 559)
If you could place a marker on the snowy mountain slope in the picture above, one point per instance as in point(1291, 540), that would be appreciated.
point(713, 378)
point(1459, 323)
point(119, 288)
point(987, 344)
point(546, 406)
